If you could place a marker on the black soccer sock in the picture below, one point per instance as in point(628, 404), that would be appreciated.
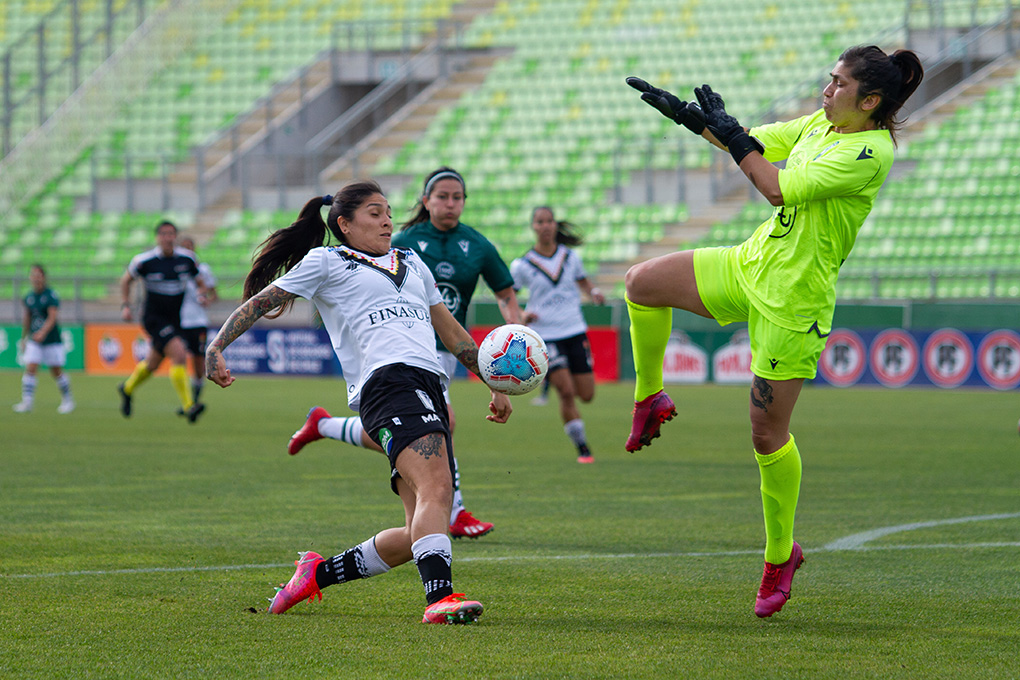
point(361, 561)
point(347, 566)
point(433, 556)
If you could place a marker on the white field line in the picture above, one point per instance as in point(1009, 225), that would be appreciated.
point(855, 542)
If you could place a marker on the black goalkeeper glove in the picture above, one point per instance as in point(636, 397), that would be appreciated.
point(725, 127)
point(669, 105)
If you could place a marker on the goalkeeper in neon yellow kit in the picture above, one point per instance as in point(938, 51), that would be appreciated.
point(782, 279)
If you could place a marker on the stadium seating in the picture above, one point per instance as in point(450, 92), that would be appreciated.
point(261, 42)
point(22, 23)
point(554, 124)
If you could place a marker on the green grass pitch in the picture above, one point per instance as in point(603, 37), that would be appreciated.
point(147, 548)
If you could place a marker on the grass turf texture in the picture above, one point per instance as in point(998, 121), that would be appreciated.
point(590, 571)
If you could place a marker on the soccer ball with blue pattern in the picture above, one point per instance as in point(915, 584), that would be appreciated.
point(513, 359)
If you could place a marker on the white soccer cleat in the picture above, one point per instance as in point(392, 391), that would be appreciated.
point(23, 407)
point(66, 406)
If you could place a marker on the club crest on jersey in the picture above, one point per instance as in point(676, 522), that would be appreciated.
point(450, 296)
point(445, 270)
point(464, 245)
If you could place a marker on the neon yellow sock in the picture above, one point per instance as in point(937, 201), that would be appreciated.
point(179, 379)
point(649, 332)
point(138, 376)
point(780, 488)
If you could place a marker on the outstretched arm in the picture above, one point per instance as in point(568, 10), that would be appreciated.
point(462, 345)
point(243, 318)
point(724, 131)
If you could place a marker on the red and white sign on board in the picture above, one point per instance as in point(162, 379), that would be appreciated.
point(895, 357)
point(684, 362)
point(998, 359)
point(844, 358)
point(948, 357)
point(731, 363)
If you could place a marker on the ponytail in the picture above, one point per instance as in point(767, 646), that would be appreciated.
point(285, 248)
point(566, 233)
point(281, 252)
point(892, 77)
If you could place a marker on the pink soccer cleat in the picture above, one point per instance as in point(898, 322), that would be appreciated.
point(302, 585)
point(649, 415)
point(467, 526)
point(309, 432)
point(775, 583)
point(453, 609)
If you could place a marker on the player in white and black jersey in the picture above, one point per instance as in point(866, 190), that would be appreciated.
point(165, 271)
point(195, 320)
point(555, 279)
point(379, 305)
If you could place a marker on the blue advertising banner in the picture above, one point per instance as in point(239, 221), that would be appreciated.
point(945, 357)
point(283, 351)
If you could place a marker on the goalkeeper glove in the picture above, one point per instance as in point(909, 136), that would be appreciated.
point(669, 105)
point(725, 127)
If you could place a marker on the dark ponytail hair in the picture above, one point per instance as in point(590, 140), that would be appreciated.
point(893, 77)
point(421, 213)
point(566, 233)
point(286, 247)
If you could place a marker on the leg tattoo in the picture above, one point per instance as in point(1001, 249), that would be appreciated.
point(765, 392)
point(430, 445)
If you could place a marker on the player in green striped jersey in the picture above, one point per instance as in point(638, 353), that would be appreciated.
point(782, 279)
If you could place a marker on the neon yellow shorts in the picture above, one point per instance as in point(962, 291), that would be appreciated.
point(777, 353)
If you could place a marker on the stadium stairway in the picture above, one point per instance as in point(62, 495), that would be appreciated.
point(410, 122)
point(404, 125)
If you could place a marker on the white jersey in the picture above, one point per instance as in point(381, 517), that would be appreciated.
point(554, 296)
point(192, 313)
point(375, 309)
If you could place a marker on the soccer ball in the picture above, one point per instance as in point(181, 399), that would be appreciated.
point(513, 359)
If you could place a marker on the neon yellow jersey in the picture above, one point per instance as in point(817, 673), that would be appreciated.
point(790, 264)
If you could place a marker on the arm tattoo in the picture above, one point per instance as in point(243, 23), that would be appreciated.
point(467, 354)
point(430, 445)
point(212, 365)
point(765, 390)
point(245, 316)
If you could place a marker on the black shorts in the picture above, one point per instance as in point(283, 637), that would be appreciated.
point(194, 338)
point(161, 330)
point(401, 404)
point(573, 353)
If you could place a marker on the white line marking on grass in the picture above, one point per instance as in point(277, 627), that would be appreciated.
point(856, 541)
point(852, 542)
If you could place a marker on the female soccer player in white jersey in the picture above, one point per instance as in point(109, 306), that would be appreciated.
point(380, 306)
point(458, 256)
point(782, 279)
point(555, 279)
